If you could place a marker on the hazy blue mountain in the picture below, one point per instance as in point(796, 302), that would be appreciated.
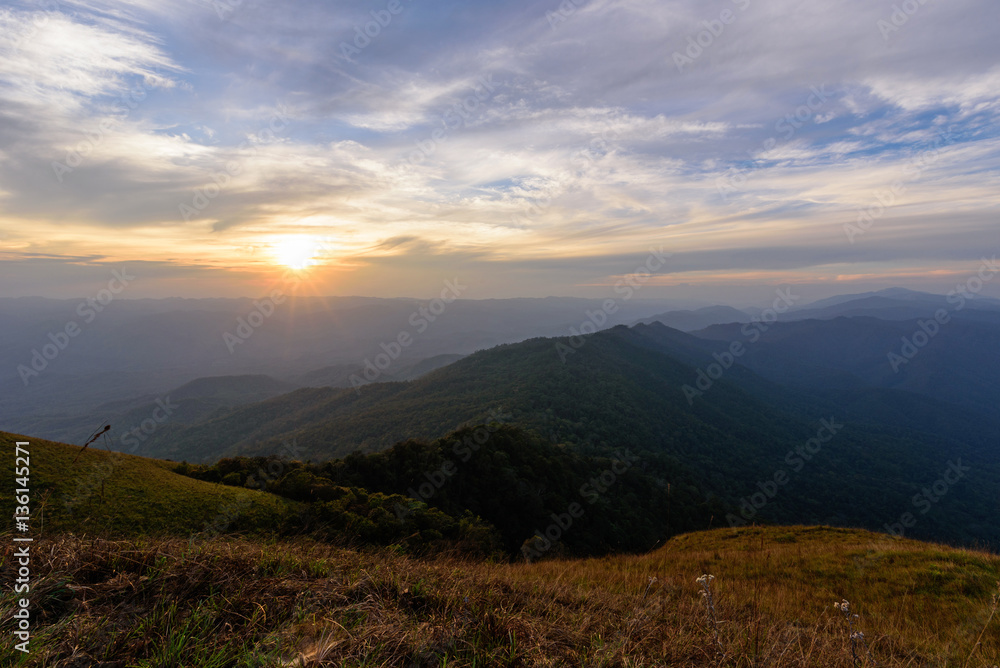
point(132, 348)
point(689, 321)
point(624, 389)
point(897, 294)
point(134, 420)
point(340, 375)
point(720, 410)
point(896, 304)
point(954, 364)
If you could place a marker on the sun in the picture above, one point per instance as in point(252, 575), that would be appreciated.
point(297, 252)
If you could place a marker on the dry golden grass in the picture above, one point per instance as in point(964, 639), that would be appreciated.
point(234, 602)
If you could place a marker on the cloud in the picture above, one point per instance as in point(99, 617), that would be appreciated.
point(59, 64)
point(497, 134)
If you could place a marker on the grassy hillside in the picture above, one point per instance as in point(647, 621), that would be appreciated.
point(105, 492)
point(112, 495)
point(149, 603)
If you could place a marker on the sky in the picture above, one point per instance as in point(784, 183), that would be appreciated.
point(525, 148)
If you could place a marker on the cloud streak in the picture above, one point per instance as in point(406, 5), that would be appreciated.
point(498, 139)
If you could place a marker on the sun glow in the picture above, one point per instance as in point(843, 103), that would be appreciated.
point(297, 252)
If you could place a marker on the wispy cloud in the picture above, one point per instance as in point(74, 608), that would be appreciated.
point(497, 138)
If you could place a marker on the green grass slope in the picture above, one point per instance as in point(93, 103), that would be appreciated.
point(112, 495)
point(105, 492)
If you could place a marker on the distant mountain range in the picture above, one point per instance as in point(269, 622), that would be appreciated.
point(689, 321)
point(624, 390)
point(133, 348)
point(805, 416)
point(953, 361)
point(889, 304)
point(899, 304)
